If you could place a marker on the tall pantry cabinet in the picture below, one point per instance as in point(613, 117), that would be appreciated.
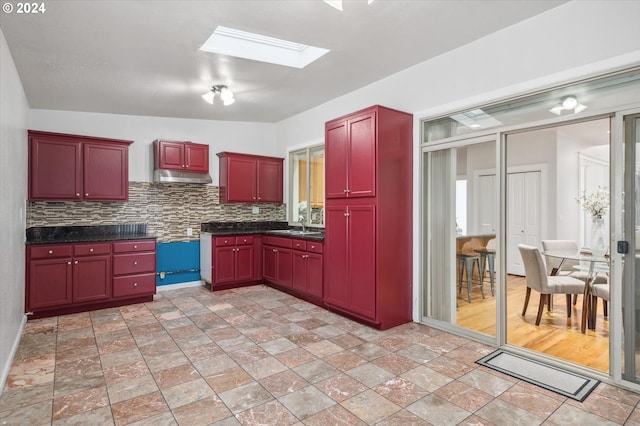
point(368, 229)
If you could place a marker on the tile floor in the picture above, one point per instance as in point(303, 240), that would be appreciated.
point(257, 356)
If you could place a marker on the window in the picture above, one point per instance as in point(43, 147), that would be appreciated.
point(306, 194)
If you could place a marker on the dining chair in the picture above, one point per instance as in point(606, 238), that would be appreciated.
point(599, 291)
point(536, 278)
point(556, 266)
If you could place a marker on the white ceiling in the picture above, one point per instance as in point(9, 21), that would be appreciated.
point(142, 57)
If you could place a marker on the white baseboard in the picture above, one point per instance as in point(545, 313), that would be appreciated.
point(179, 285)
point(12, 354)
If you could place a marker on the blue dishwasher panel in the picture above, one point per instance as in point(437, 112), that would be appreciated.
point(178, 262)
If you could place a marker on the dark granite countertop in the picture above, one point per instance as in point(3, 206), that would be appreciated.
point(268, 228)
point(80, 234)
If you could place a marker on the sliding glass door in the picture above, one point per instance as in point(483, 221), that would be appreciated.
point(460, 256)
point(629, 248)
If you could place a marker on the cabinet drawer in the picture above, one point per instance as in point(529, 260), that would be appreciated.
point(132, 285)
point(233, 240)
point(244, 240)
point(91, 249)
point(134, 263)
point(50, 251)
point(276, 241)
point(314, 247)
point(134, 246)
point(299, 244)
point(225, 241)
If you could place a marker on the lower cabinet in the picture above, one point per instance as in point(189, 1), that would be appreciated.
point(65, 278)
point(295, 264)
point(277, 260)
point(134, 268)
point(233, 259)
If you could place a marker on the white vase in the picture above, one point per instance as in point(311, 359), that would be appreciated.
point(598, 237)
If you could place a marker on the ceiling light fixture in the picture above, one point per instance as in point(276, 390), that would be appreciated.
point(568, 103)
point(225, 94)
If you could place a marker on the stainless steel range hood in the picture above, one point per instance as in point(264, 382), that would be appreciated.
point(179, 176)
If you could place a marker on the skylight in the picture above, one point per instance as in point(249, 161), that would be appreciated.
point(241, 44)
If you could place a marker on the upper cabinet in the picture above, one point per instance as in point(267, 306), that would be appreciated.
point(250, 178)
point(77, 168)
point(186, 156)
point(351, 156)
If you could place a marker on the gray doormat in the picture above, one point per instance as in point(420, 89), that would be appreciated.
point(567, 383)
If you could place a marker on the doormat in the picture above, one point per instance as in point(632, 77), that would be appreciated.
point(567, 383)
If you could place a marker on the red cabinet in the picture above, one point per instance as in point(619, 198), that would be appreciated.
point(350, 151)
point(66, 278)
point(368, 228)
point(250, 178)
point(134, 268)
point(307, 267)
point(277, 260)
point(63, 275)
point(72, 168)
point(185, 156)
point(233, 259)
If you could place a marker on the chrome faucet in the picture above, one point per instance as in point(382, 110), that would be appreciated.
point(303, 222)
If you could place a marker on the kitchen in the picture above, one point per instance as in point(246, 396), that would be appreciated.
point(257, 138)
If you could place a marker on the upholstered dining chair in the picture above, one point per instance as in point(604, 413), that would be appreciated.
point(555, 265)
point(537, 279)
point(599, 291)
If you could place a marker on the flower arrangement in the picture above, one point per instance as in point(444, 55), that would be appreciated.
point(596, 204)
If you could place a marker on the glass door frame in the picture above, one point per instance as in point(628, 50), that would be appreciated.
point(616, 116)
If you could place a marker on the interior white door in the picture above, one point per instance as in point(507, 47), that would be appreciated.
point(523, 216)
point(486, 205)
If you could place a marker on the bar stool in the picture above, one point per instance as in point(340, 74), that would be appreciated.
point(487, 258)
point(466, 262)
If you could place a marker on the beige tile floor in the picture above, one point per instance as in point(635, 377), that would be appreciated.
point(257, 356)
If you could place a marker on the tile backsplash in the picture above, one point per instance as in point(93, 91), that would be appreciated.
point(168, 209)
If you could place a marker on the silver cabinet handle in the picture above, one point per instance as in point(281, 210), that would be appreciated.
point(275, 250)
point(69, 263)
point(90, 250)
point(77, 194)
point(135, 262)
point(50, 251)
point(86, 194)
point(76, 262)
point(135, 246)
point(135, 284)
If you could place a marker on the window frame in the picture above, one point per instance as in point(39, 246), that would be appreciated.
point(293, 157)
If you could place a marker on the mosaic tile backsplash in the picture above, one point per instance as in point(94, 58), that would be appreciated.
point(168, 209)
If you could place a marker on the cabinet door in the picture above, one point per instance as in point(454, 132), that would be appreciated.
point(361, 253)
point(336, 151)
point(244, 263)
point(91, 278)
point(284, 269)
point(224, 265)
point(171, 155)
point(335, 249)
point(106, 175)
point(299, 272)
point(269, 181)
point(55, 169)
point(362, 156)
point(241, 180)
point(314, 274)
point(269, 262)
point(50, 283)
point(196, 157)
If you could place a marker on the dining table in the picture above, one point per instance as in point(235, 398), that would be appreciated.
point(592, 265)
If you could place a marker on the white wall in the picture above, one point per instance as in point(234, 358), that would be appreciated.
point(254, 138)
point(576, 40)
point(13, 193)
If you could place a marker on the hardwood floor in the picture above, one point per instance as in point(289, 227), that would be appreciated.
point(556, 335)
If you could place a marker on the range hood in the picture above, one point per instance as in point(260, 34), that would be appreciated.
point(179, 176)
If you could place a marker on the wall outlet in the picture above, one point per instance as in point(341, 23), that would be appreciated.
point(255, 210)
point(189, 232)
